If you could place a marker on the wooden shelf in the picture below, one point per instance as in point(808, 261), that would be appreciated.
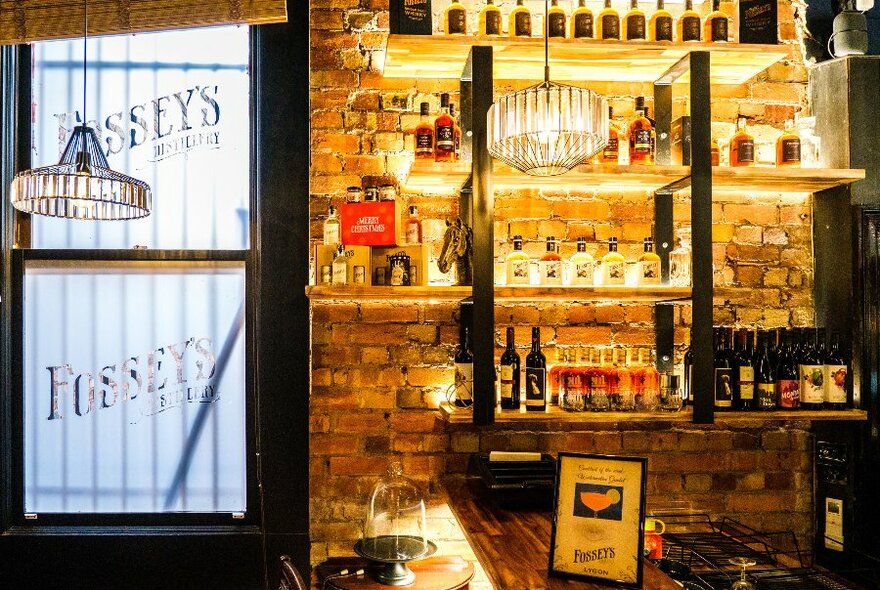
point(440, 177)
point(654, 293)
point(352, 292)
point(444, 56)
point(554, 414)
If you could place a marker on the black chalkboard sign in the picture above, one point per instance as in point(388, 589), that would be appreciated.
point(411, 17)
point(758, 21)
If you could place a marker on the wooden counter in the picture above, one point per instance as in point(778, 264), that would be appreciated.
point(514, 547)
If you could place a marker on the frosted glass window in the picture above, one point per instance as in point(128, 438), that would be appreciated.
point(169, 108)
point(134, 385)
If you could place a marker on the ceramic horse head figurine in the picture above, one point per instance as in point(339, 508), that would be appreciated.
point(458, 247)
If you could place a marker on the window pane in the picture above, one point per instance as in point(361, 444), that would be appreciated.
point(134, 387)
point(169, 108)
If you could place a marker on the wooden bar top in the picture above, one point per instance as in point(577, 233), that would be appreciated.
point(514, 546)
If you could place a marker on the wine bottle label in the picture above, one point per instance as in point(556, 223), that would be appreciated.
point(340, 273)
point(551, 272)
point(663, 28)
point(635, 26)
point(523, 24)
point(331, 234)
point(610, 26)
point(412, 233)
point(649, 272)
point(506, 381)
point(719, 29)
point(791, 150)
point(556, 25)
point(424, 143)
point(690, 28)
point(518, 272)
point(745, 150)
point(835, 383)
point(723, 387)
point(464, 381)
point(536, 383)
point(446, 137)
point(612, 149)
point(766, 393)
point(747, 383)
point(583, 26)
point(811, 384)
point(615, 273)
point(789, 393)
point(493, 23)
point(582, 273)
point(457, 21)
point(642, 141)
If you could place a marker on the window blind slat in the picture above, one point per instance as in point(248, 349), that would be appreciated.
point(24, 21)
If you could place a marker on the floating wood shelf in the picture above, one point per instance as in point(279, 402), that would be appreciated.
point(440, 177)
point(337, 293)
point(654, 293)
point(444, 56)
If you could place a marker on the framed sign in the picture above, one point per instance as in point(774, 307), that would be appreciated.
point(598, 512)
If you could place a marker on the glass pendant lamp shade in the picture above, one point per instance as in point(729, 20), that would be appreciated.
point(547, 129)
point(81, 185)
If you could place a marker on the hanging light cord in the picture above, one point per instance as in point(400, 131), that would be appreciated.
point(85, 48)
point(546, 43)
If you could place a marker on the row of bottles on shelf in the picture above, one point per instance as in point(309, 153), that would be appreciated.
point(438, 140)
point(612, 269)
point(607, 24)
point(777, 369)
point(597, 379)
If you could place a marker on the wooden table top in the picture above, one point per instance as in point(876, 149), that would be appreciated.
point(514, 546)
point(442, 572)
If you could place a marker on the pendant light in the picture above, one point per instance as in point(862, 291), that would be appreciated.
point(82, 185)
point(547, 129)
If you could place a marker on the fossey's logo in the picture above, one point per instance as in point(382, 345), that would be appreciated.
point(167, 126)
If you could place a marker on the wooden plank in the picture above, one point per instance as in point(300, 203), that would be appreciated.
point(652, 293)
point(441, 56)
point(775, 180)
point(351, 292)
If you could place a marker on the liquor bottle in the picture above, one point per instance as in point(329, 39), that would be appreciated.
point(640, 132)
point(715, 25)
point(340, 266)
point(444, 133)
point(723, 368)
point(581, 22)
point(519, 21)
point(687, 394)
point(608, 23)
point(742, 146)
point(582, 265)
point(689, 23)
point(647, 399)
point(331, 227)
point(455, 19)
point(413, 226)
point(456, 132)
point(613, 265)
point(517, 264)
point(490, 19)
point(464, 370)
point(744, 395)
point(765, 377)
point(787, 384)
point(510, 376)
point(660, 25)
point(714, 153)
point(634, 22)
point(550, 264)
point(835, 370)
point(424, 134)
point(555, 375)
point(555, 26)
point(680, 259)
point(649, 265)
point(811, 377)
point(621, 387)
point(788, 147)
point(611, 153)
point(536, 375)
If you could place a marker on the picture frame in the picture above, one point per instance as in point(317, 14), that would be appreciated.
point(598, 519)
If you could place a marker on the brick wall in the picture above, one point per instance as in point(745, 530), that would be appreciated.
point(380, 369)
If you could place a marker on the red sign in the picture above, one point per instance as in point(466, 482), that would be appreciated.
point(370, 224)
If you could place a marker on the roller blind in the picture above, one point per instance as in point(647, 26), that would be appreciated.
point(23, 21)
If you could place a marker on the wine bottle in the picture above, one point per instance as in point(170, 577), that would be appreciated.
point(787, 385)
point(811, 378)
point(744, 395)
point(765, 378)
point(687, 394)
point(510, 369)
point(724, 379)
point(536, 375)
point(835, 368)
point(464, 370)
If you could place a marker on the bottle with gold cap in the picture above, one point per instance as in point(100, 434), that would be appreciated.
point(490, 19)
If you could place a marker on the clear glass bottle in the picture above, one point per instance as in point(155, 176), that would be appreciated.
point(424, 134)
point(455, 19)
point(340, 266)
point(788, 147)
point(648, 265)
point(582, 265)
point(555, 23)
point(613, 265)
point(634, 22)
point(608, 22)
point(519, 21)
point(551, 264)
point(518, 264)
point(332, 227)
point(742, 146)
point(413, 226)
point(660, 26)
point(680, 259)
point(490, 19)
point(689, 23)
point(581, 22)
point(716, 24)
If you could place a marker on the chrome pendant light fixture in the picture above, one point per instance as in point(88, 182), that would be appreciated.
point(82, 185)
point(547, 129)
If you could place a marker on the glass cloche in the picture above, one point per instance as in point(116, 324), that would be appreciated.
point(395, 531)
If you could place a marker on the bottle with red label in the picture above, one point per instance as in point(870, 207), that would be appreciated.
point(444, 133)
point(835, 368)
point(787, 384)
